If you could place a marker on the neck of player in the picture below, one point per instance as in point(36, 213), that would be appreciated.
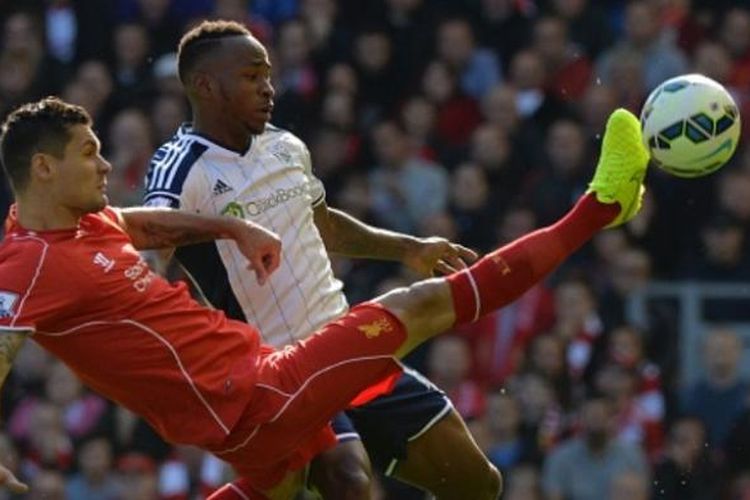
point(39, 213)
point(222, 130)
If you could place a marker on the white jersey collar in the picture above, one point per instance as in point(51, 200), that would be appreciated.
point(186, 129)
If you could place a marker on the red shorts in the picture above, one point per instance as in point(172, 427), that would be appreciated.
point(301, 387)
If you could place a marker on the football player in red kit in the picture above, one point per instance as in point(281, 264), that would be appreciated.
point(71, 278)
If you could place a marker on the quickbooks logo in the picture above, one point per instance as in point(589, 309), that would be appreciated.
point(260, 205)
point(234, 209)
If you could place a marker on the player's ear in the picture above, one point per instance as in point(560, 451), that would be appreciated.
point(203, 84)
point(42, 166)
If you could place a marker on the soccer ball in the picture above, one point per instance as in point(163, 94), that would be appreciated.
point(691, 125)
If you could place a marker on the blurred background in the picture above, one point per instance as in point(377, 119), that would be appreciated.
point(477, 120)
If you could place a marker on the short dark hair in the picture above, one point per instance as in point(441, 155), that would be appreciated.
point(203, 39)
point(37, 127)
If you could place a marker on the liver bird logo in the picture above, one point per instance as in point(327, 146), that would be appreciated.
point(374, 329)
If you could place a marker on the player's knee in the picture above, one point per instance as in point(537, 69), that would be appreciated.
point(494, 483)
point(488, 483)
point(424, 307)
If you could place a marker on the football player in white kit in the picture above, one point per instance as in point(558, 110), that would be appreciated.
point(230, 160)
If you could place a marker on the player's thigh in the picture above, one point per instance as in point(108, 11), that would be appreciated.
point(322, 375)
point(447, 461)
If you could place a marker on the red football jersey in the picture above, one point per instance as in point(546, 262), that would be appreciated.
point(92, 301)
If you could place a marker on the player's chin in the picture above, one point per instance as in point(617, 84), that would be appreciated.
point(101, 203)
point(256, 127)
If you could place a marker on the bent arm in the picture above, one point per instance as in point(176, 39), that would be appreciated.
point(344, 235)
point(154, 228)
point(157, 228)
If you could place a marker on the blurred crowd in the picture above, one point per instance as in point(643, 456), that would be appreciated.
point(476, 120)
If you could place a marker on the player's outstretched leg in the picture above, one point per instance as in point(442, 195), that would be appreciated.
point(432, 306)
point(614, 197)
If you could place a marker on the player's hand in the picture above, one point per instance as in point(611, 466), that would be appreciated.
point(430, 256)
point(261, 247)
point(8, 480)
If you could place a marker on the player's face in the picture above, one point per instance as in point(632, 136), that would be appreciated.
point(246, 93)
point(81, 175)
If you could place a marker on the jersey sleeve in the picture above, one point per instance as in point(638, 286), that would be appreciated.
point(317, 190)
point(171, 179)
point(20, 275)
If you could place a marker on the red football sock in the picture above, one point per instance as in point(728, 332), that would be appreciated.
point(502, 276)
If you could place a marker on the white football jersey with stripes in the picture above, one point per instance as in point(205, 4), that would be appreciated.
point(271, 184)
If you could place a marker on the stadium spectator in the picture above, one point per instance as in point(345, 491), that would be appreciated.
point(687, 470)
point(507, 447)
point(166, 79)
point(718, 397)
point(477, 68)
point(594, 104)
point(734, 195)
point(629, 272)
point(524, 483)
point(472, 206)
point(295, 72)
point(734, 34)
point(568, 67)
point(418, 116)
point(662, 59)
point(587, 467)
point(639, 420)
point(588, 24)
point(723, 255)
point(405, 189)
point(159, 18)
point(492, 149)
point(629, 486)
point(713, 60)
point(528, 76)
point(32, 71)
point(93, 88)
point(546, 357)
point(578, 323)
point(626, 350)
point(80, 413)
point(237, 10)
point(132, 146)
point(373, 62)
point(543, 418)
point(96, 480)
point(457, 113)
point(131, 71)
point(167, 113)
point(448, 364)
point(563, 176)
point(138, 476)
point(48, 484)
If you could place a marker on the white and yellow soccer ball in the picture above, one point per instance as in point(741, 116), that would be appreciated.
point(691, 125)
